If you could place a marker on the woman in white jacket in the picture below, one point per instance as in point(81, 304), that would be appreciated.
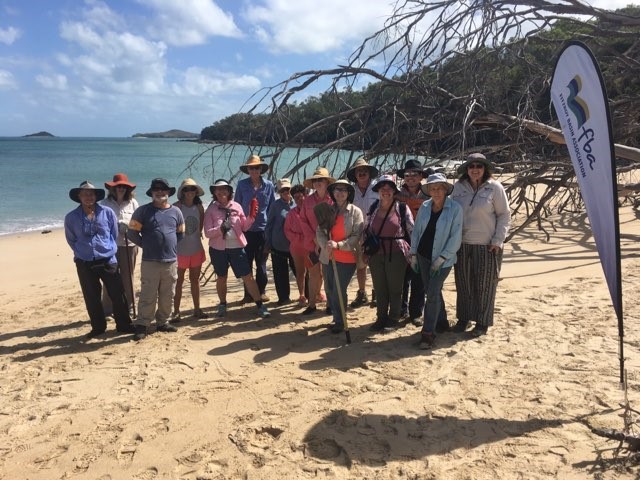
point(486, 221)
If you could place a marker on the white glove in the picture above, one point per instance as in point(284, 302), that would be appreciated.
point(436, 264)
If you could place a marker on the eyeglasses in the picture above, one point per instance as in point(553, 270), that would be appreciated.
point(341, 189)
point(189, 189)
point(476, 165)
point(412, 174)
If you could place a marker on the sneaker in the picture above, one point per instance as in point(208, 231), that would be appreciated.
point(426, 341)
point(166, 327)
point(199, 313)
point(263, 312)
point(390, 325)
point(175, 317)
point(360, 300)
point(264, 298)
point(126, 329)
point(460, 326)
point(94, 333)
point(222, 310)
point(309, 310)
point(140, 332)
point(285, 301)
point(417, 321)
point(378, 326)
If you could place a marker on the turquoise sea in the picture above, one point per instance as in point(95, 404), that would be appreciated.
point(38, 172)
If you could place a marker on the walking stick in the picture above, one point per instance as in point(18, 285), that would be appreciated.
point(133, 298)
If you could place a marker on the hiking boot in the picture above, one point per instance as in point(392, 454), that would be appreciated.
point(222, 310)
point(337, 329)
point(309, 310)
point(360, 300)
point(426, 341)
point(390, 325)
point(442, 327)
point(263, 312)
point(140, 332)
point(94, 333)
point(284, 301)
point(378, 326)
point(167, 328)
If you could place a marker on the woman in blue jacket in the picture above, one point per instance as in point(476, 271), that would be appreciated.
point(435, 239)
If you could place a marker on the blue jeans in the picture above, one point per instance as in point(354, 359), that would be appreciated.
point(433, 289)
point(345, 273)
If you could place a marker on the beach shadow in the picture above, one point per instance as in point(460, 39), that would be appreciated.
point(42, 331)
point(375, 440)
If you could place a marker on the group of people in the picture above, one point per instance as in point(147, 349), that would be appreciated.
point(324, 231)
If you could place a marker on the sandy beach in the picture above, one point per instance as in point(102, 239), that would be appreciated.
point(245, 398)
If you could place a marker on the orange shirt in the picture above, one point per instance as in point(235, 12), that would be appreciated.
point(337, 235)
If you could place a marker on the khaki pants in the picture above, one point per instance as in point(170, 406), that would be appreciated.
point(158, 286)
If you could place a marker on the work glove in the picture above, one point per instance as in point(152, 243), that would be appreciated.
point(435, 266)
point(225, 227)
point(253, 208)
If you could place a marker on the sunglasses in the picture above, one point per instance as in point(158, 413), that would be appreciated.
point(412, 174)
point(476, 165)
point(254, 168)
point(341, 189)
point(189, 189)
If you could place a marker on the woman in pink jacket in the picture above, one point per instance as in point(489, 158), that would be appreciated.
point(224, 226)
point(295, 234)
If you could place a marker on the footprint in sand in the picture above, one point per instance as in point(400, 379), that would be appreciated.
point(127, 451)
point(148, 474)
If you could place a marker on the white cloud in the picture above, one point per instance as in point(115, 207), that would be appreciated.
point(9, 35)
point(53, 82)
point(190, 22)
point(7, 80)
point(309, 26)
point(203, 82)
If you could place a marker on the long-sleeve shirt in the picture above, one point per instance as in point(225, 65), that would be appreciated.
point(487, 216)
point(157, 231)
point(92, 239)
point(353, 225)
point(448, 234)
point(364, 200)
point(266, 195)
point(274, 236)
point(294, 233)
point(308, 219)
point(215, 215)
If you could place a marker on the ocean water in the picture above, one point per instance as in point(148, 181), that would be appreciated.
point(38, 172)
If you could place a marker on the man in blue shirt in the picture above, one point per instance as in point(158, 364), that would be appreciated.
point(157, 227)
point(91, 231)
point(251, 190)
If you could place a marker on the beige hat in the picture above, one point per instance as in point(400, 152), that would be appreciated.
point(254, 161)
point(320, 172)
point(361, 162)
point(282, 184)
point(190, 182)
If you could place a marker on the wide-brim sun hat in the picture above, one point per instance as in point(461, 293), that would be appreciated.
point(160, 182)
point(120, 179)
point(254, 161)
point(361, 162)
point(475, 157)
point(385, 180)
point(411, 164)
point(433, 179)
point(282, 184)
point(320, 172)
point(221, 182)
point(190, 182)
point(86, 185)
point(345, 183)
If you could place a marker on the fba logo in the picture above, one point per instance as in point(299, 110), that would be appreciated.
point(576, 104)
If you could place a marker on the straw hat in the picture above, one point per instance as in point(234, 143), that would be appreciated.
point(120, 179)
point(412, 164)
point(86, 185)
point(345, 183)
point(160, 182)
point(190, 182)
point(436, 178)
point(385, 179)
point(282, 184)
point(320, 172)
point(361, 162)
point(475, 157)
point(221, 183)
point(254, 161)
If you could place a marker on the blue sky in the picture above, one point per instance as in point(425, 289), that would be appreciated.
point(117, 67)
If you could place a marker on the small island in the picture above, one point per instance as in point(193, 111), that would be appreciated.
point(39, 134)
point(168, 134)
